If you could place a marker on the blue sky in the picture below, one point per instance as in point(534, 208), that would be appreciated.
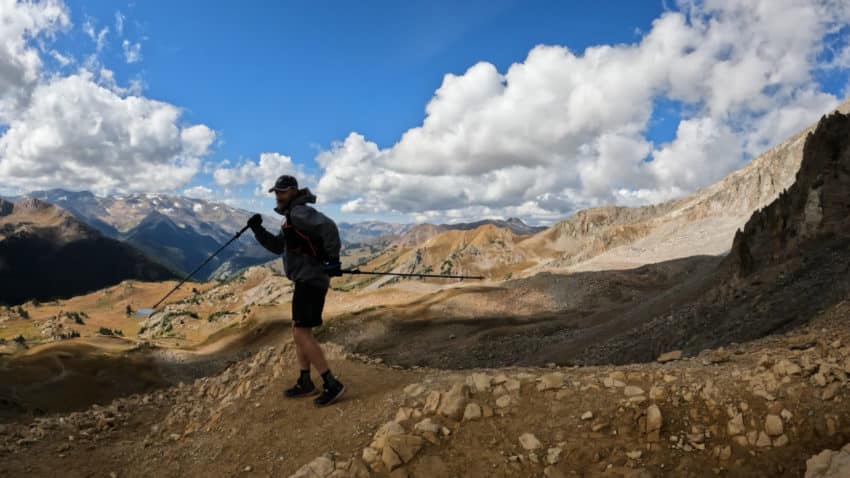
point(294, 76)
point(296, 79)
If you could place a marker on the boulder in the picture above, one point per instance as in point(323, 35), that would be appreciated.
point(633, 391)
point(405, 447)
point(550, 381)
point(553, 455)
point(480, 382)
point(321, 467)
point(670, 356)
point(432, 402)
point(773, 425)
point(529, 442)
point(453, 402)
point(472, 412)
point(426, 426)
point(654, 421)
point(829, 464)
point(735, 426)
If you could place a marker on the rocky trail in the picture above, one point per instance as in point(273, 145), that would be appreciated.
point(759, 409)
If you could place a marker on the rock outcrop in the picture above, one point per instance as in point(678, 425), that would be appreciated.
point(815, 207)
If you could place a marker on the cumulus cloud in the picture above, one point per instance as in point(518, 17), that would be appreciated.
point(132, 51)
point(263, 172)
point(83, 130)
point(563, 130)
point(82, 135)
point(20, 63)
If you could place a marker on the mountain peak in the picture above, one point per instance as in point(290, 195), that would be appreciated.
point(815, 206)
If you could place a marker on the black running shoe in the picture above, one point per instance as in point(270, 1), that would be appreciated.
point(330, 394)
point(301, 389)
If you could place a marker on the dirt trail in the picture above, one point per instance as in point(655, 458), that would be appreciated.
point(273, 435)
point(593, 418)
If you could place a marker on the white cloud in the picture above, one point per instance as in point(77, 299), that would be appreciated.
point(20, 63)
point(83, 130)
point(132, 51)
point(565, 130)
point(63, 60)
point(81, 135)
point(264, 172)
point(199, 192)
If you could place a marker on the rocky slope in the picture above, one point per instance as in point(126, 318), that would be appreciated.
point(702, 223)
point(47, 253)
point(764, 409)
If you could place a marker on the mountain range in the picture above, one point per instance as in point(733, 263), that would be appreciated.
point(180, 232)
point(176, 231)
point(47, 253)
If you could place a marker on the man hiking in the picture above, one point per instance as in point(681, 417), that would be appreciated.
point(309, 242)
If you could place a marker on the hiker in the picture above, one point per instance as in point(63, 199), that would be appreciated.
point(309, 242)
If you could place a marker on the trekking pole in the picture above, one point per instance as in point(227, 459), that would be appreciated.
point(148, 312)
point(399, 274)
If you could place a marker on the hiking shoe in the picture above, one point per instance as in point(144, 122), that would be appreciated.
point(330, 394)
point(301, 389)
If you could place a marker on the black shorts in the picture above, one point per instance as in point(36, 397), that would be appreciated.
point(307, 304)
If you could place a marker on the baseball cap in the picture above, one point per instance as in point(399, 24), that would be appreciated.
point(285, 182)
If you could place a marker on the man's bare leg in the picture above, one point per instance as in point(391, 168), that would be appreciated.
point(309, 351)
point(310, 347)
point(303, 358)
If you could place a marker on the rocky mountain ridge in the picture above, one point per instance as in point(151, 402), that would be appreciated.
point(46, 252)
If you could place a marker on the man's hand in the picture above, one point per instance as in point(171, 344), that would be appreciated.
point(255, 222)
point(332, 268)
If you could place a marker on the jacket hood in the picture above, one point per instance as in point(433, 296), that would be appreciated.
point(305, 196)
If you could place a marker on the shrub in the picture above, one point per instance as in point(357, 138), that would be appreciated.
point(105, 331)
point(78, 317)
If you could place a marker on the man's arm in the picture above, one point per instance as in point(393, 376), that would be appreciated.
point(319, 228)
point(275, 244)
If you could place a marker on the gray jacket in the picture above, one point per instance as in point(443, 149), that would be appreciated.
point(306, 239)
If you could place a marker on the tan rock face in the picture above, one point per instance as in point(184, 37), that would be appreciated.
point(829, 464)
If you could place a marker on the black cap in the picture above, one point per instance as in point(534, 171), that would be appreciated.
point(284, 182)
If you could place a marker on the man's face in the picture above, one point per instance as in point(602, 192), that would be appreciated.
point(283, 197)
